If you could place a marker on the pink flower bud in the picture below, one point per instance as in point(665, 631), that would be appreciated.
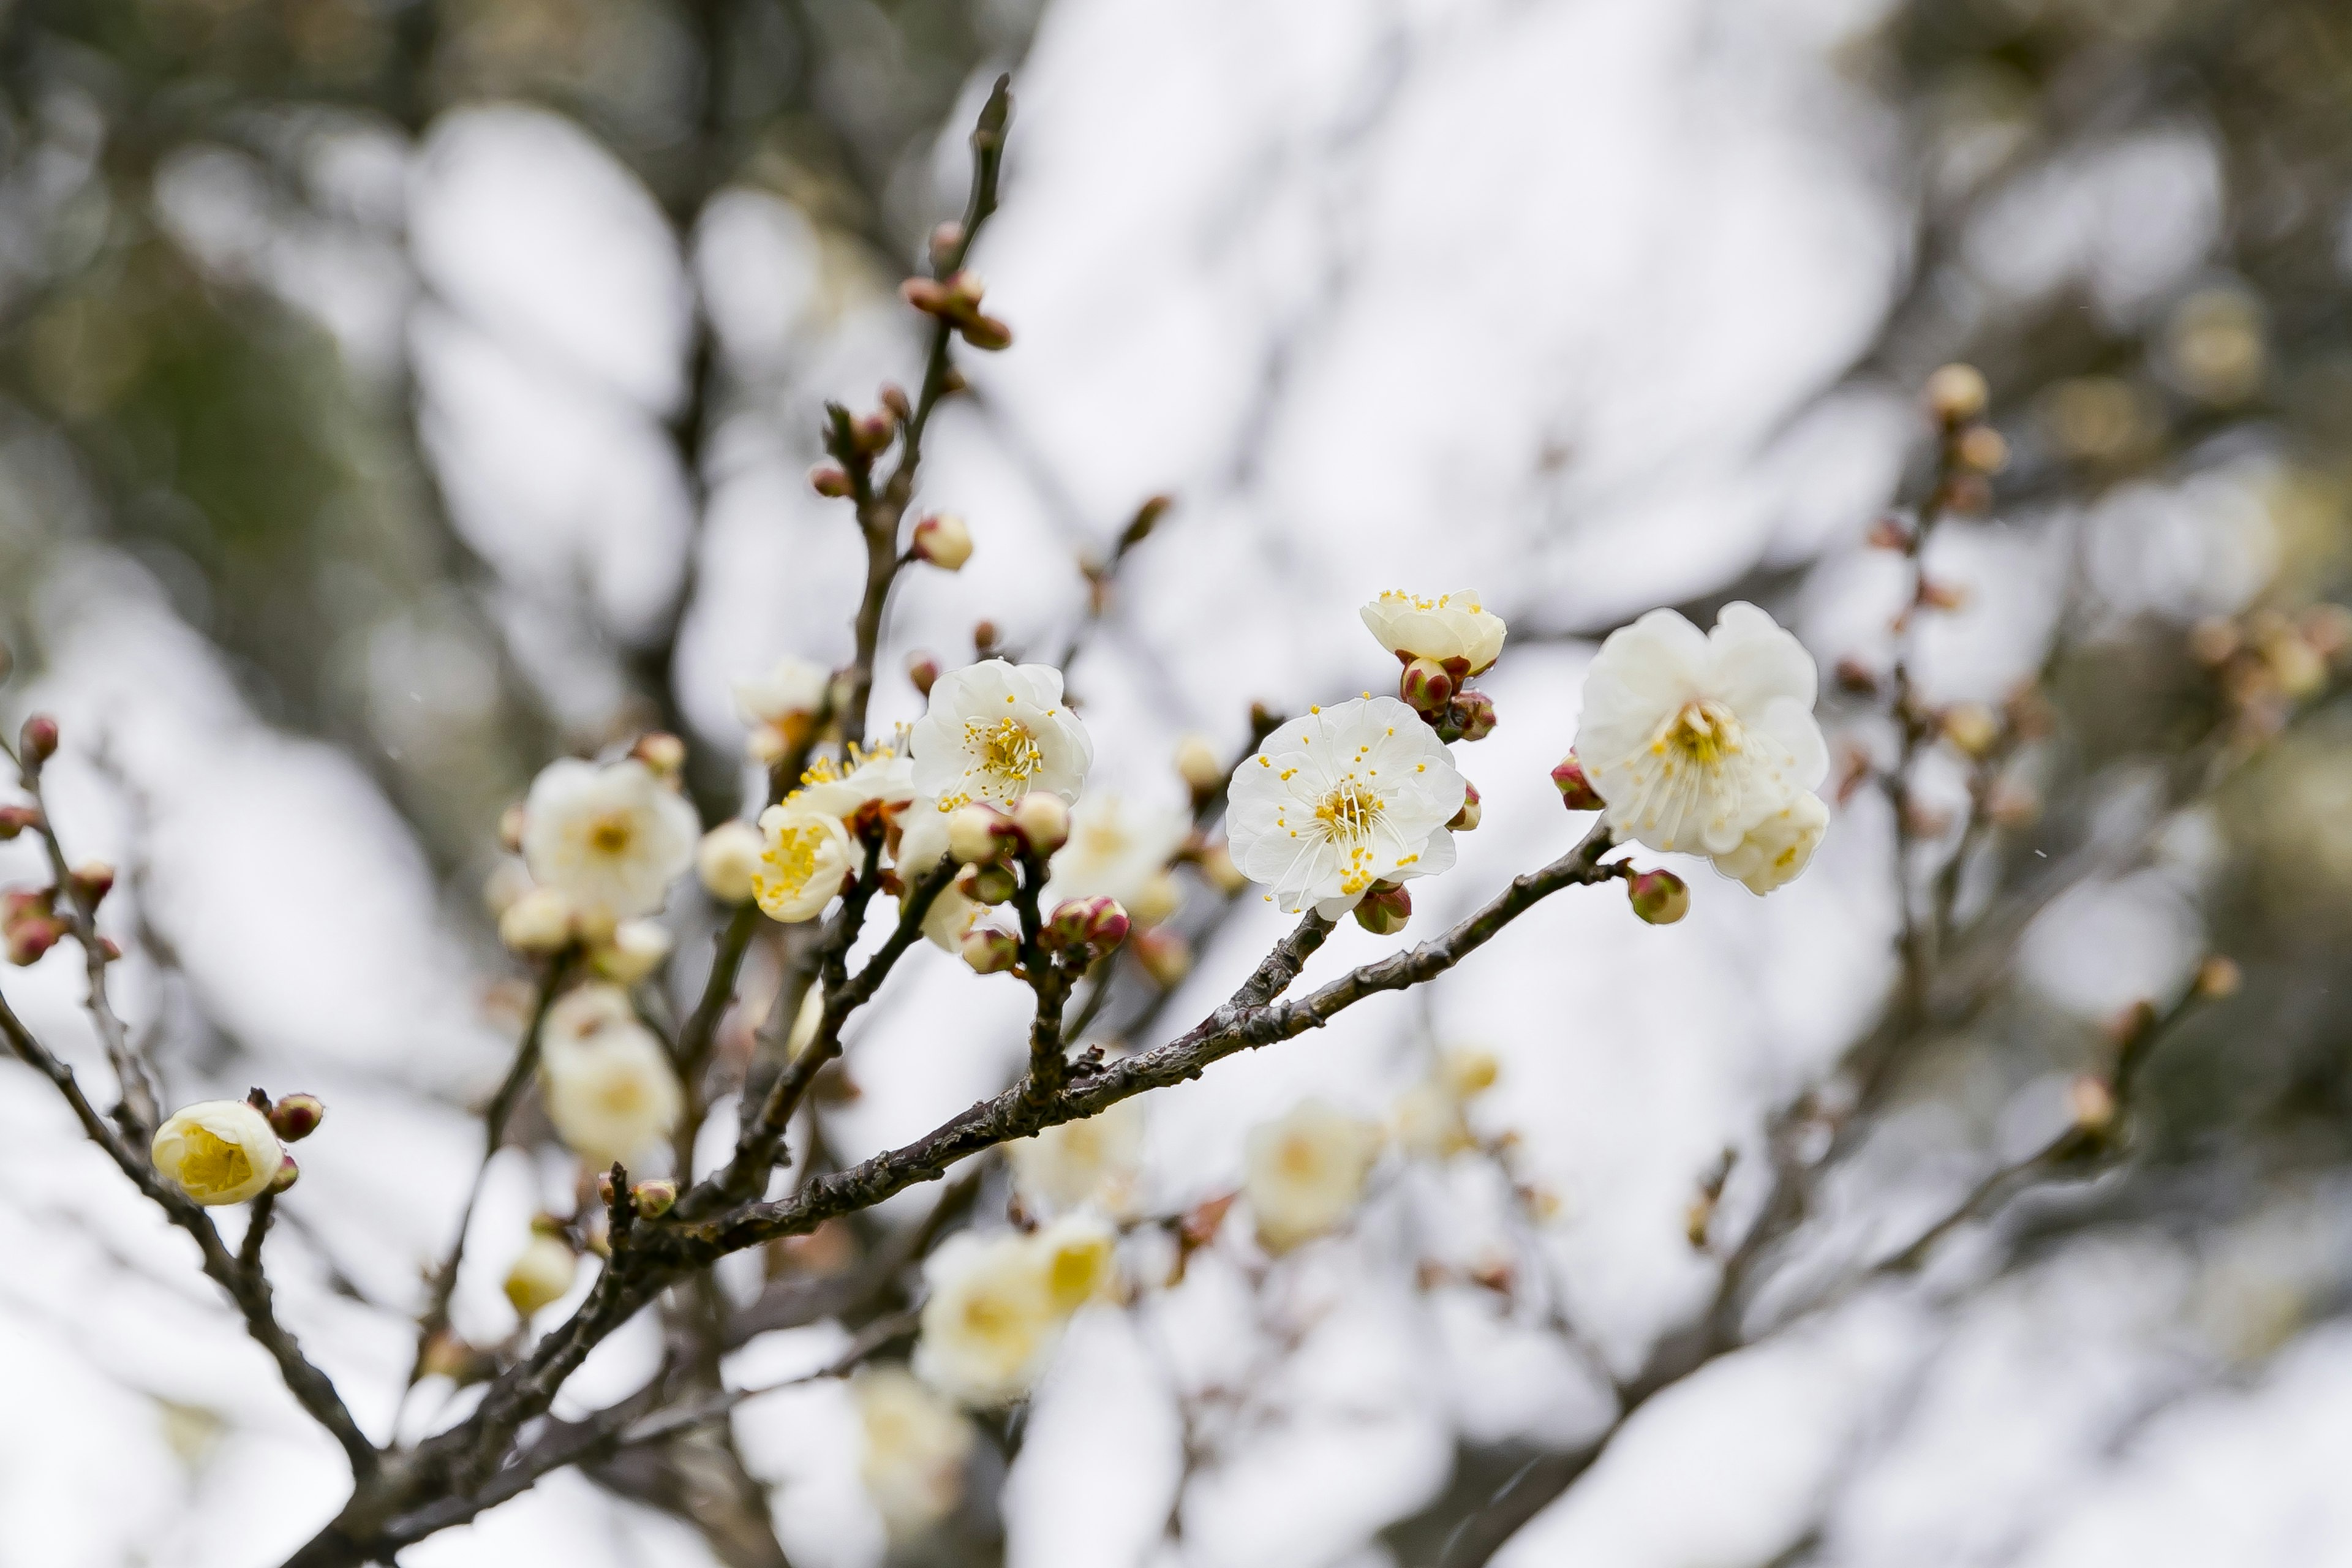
point(1473, 715)
point(38, 741)
point(1384, 909)
point(944, 539)
point(1043, 821)
point(1659, 898)
point(923, 671)
point(989, 951)
point(830, 480)
point(654, 1198)
point(28, 940)
point(1097, 924)
point(296, 1116)
point(992, 883)
point(14, 819)
point(1165, 955)
point(1576, 791)
point(1427, 687)
point(873, 433)
point(93, 880)
point(1467, 817)
point(289, 1172)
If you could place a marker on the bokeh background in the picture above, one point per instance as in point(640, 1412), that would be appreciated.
point(397, 394)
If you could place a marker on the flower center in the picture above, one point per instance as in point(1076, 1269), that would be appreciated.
point(610, 834)
point(214, 1164)
point(1702, 731)
point(793, 857)
point(1006, 749)
point(1350, 812)
point(623, 1095)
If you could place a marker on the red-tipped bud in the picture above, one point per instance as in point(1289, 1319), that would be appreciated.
point(38, 741)
point(872, 433)
point(289, 1172)
point(944, 539)
point(654, 1198)
point(14, 819)
point(923, 669)
point(1659, 898)
point(1576, 791)
point(662, 752)
point(26, 939)
point(1097, 924)
point(894, 397)
point(1043, 821)
point(1426, 687)
point(977, 832)
point(1473, 715)
point(1384, 911)
point(990, 950)
point(830, 479)
point(296, 1116)
point(991, 883)
point(1467, 817)
point(1165, 955)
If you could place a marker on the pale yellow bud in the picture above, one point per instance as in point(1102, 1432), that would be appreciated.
point(944, 539)
point(1042, 819)
point(1198, 764)
point(976, 834)
point(1468, 1070)
point(727, 861)
point(1217, 866)
point(541, 1274)
point(539, 923)
point(1078, 1255)
point(637, 949)
point(1156, 901)
point(507, 882)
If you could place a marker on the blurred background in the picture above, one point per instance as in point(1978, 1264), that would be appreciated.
point(395, 394)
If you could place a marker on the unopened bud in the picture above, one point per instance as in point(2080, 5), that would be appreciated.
point(1473, 715)
point(1043, 820)
point(1156, 899)
point(1199, 765)
point(662, 752)
point(1384, 911)
point(985, 636)
point(2092, 1103)
point(944, 539)
point(2218, 977)
point(541, 1276)
point(1982, 448)
point(654, 1198)
point(727, 861)
point(1216, 863)
point(1097, 924)
point(985, 332)
point(1972, 727)
point(539, 923)
point(1576, 791)
point(1857, 677)
point(635, 950)
point(1468, 1070)
point(27, 939)
point(38, 741)
point(1427, 687)
point(1958, 393)
point(924, 671)
point(991, 883)
point(946, 240)
point(1467, 817)
point(894, 397)
point(989, 951)
point(977, 833)
point(289, 1172)
point(296, 1116)
point(1659, 898)
point(965, 288)
point(873, 433)
point(1165, 955)
point(14, 819)
point(510, 826)
point(830, 479)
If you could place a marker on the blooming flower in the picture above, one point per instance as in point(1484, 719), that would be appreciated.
point(780, 705)
point(1078, 1255)
point(1118, 850)
point(922, 844)
point(1694, 739)
point(997, 730)
point(610, 1088)
point(1777, 848)
point(1304, 1173)
point(218, 1152)
point(1343, 798)
point(883, 776)
point(610, 839)
point(990, 1323)
point(915, 1444)
point(1453, 628)
point(807, 855)
point(1074, 1163)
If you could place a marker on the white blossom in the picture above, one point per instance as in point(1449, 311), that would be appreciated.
point(218, 1152)
point(540, 1275)
point(540, 920)
point(996, 732)
point(1095, 1161)
point(1694, 739)
point(913, 1451)
point(1117, 849)
point(1450, 628)
point(806, 855)
point(1304, 1174)
point(1779, 847)
point(610, 839)
point(728, 860)
point(990, 1323)
point(610, 1088)
point(1078, 1253)
point(1341, 798)
point(792, 687)
point(922, 844)
point(883, 776)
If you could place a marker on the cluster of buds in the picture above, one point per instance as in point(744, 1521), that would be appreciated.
point(1973, 451)
point(2270, 661)
point(855, 440)
point(30, 923)
point(1087, 928)
point(955, 299)
point(1436, 691)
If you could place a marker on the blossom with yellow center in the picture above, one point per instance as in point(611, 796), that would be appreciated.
point(611, 840)
point(915, 1444)
point(989, 1322)
point(1345, 796)
point(1119, 849)
point(610, 1089)
point(806, 854)
point(1304, 1174)
point(1454, 629)
point(1095, 1161)
point(997, 732)
point(218, 1152)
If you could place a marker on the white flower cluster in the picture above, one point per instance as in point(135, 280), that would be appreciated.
point(998, 1303)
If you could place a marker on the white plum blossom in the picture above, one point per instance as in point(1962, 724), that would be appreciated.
point(806, 854)
point(1093, 1161)
point(729, 859)
point(1454, 629)
point(1304, 1174)
point(914, 1447)
point(218, 1152)
point(541, 1273)
point(884, 776)
point(1344, 797)
point(1078, 1253)
point(990, 1323)
point(922, 845)
point(996, 732)
point(1117, 849)
point(1695, 739)
point(609, 839)
point(1779, 847)
point(610, 1088)
point(780, 705)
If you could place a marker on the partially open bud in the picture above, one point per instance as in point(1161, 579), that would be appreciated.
point(1095, 924)
point(1972, 727)
point(991, 884)
point(1958, 393)
point(727, 861)
point(654, 1198)
point(1217, 868)
point(93, 880)
point(944, 539)
point(217, 1151)
point(38, 741)
point(1576, 791)
point(541, 1274)
point(1467, 817)
point(15, 819)
point(1427, 688)
point(1043, 821)
point(1165, 955)
point(635, 949)
point(2218, 977)
point(977, 833)
point(989, 951)
point(296, 1116)
point(923, 671)
point(1474, 714)
point(1199, 765)
point(1384, 911)
point(538, 924)
point(289, 1172)
point(1659, 898)
point(830, 480)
